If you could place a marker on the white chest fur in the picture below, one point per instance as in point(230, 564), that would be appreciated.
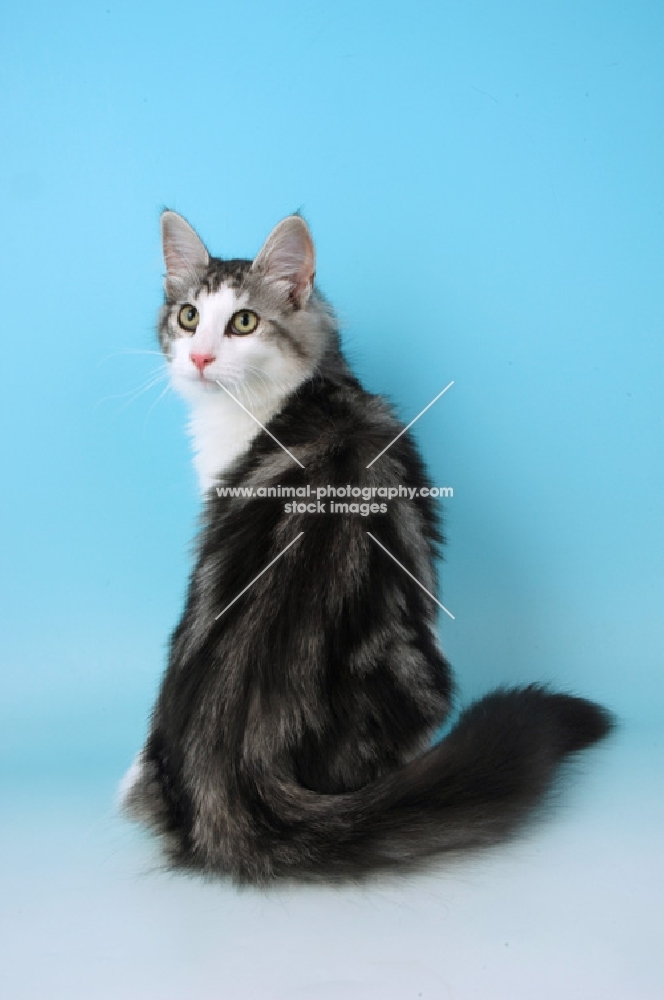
point(221, 430)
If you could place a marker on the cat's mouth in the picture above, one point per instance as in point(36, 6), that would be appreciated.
point(200, 378)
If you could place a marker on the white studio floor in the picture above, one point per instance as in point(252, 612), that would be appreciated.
point(573, 909)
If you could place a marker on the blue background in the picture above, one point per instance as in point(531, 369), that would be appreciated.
point(484, 184)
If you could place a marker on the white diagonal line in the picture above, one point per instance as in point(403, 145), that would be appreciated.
point(260, 424)
point(259, 576)
point(409, 426)
point(410, 574)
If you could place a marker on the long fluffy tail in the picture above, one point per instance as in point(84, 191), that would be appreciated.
point(471, 789)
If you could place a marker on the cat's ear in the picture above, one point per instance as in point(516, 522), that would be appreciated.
point(288, 260)
point(185, 255)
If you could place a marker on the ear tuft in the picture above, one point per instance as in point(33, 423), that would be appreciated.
point(185, 255)
point(288, 258)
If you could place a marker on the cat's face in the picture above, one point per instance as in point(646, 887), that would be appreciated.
point(250, 326)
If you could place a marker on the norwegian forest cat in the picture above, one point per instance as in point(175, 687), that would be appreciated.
point(292, 732)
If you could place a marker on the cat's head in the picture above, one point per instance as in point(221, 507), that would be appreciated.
point(247, 324)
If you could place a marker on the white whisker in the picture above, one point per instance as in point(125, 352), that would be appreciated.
point(159, 397)
point(153, 379)
point(128, 350)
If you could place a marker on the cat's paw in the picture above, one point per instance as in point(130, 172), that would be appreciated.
point(126, 789)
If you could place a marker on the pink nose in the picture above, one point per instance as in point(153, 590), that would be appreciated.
point(201, 360)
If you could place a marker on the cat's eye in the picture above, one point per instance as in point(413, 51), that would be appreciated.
point(243, 322)
point(188, 317)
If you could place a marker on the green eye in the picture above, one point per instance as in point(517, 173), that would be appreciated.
point(188, 317)
point(244, 321)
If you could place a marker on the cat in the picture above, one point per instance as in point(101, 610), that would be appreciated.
point(292, 734)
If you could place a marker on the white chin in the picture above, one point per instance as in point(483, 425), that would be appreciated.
point(194, 388)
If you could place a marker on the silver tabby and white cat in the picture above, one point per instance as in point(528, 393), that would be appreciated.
point(292, 733)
